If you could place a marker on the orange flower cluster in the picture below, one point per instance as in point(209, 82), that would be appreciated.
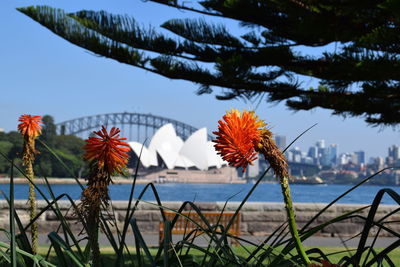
point(29, 126)
point(108, 150)
point(237, 137)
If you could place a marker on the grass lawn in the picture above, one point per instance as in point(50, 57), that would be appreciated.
point(333, 253)
point(338, 253)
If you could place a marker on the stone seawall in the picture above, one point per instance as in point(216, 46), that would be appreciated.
point(257, 218)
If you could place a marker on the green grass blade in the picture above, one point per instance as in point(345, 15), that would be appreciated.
point(21, 238)
point(66, 229)
point(109, 234)
point(208, 230)
point(128, 217)
point(141, 241)
point(35, 258)
point(218, 220)
point(384, 253)
point(62, 250)
point(61, 257)
point(261, 246)
point(12, 220)
point(138, 253)
point(311, 232)
point(167, 241)
point(4, 256)
point(370, 220)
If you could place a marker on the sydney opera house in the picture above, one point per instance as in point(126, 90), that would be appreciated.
point(168, 158)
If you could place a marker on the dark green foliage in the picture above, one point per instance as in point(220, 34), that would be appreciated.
point(5, 147)
point(11, 145)
point(49, 128)
point(351, 48)
point(70, 149)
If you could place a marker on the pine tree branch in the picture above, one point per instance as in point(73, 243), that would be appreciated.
point(359, 78)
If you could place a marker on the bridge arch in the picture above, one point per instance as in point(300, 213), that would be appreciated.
point(89, 123)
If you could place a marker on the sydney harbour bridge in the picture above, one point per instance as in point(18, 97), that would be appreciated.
point(134, 126)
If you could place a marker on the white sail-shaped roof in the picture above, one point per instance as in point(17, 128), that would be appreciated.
point(167, 144)
point(213, 159)
point(184, 162)
point(196, 151)
point(148, 157)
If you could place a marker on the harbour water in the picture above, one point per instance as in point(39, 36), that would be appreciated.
point(223, 192)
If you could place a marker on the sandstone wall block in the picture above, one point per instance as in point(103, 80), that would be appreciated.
point(257, 218)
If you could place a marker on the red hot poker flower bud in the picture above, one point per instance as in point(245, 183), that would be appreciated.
point(29, 126)
point(108, 150)
point(237, 137)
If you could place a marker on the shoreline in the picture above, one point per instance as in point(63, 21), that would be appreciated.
point(120, 181)
point(83, 181)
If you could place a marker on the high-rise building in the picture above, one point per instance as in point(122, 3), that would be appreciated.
point(394, 152)
point(377, 162)
point(380, 162)
point(333, 154)
point(280, 141)
point(295, 154)
point(360, 157)
point(313, 152)
point(324, 155)
point(354, 158)
point(320, 143)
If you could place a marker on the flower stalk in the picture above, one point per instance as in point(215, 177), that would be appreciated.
point(284, 182)
point(240, 137)
point(278, 163)
point(30, 129)
point(106, 155)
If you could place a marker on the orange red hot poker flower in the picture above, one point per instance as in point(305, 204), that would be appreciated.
point(108, 150)
point(237, 137)
point(29, 125)
point(240, 137)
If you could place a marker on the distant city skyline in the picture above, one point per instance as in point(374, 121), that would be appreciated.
point(44, 74)
point(330, 155)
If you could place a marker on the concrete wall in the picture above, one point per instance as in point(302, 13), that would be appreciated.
point(257, 218)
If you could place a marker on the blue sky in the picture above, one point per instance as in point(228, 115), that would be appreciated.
point(40, 73)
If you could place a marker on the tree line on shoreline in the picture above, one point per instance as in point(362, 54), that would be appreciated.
point(68, 147)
